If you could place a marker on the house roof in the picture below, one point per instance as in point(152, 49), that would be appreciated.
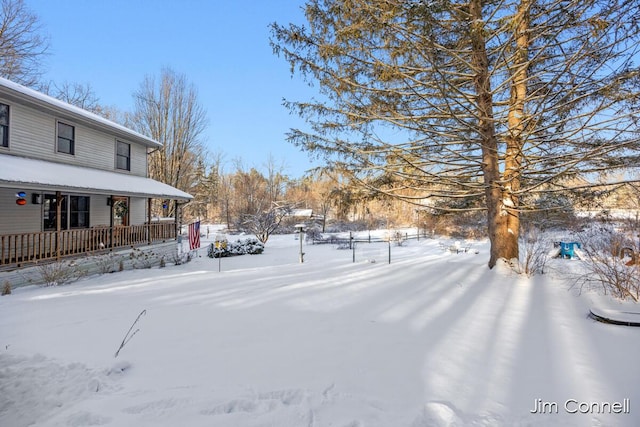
point(34, 174)
point(301, 213)
point(26, 96)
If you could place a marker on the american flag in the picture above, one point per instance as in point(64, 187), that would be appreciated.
point(194, 235)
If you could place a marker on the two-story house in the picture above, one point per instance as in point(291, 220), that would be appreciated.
point(72, 182)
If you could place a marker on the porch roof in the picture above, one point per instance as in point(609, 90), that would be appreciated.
point(33, 174)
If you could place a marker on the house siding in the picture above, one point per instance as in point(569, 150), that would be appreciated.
point(138, 159)
point(32, 133)
point(137, 210)
point(18, 219)
point(99, 213)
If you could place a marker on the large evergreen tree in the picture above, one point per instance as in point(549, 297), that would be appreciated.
point(490, 100)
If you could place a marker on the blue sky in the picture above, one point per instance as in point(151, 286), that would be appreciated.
point(222, 47)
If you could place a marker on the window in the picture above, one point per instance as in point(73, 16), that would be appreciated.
point(4, 125)
point(79, 212)
point(123, 156)
point(50, 220)
point(74, 212)
point(66, 138)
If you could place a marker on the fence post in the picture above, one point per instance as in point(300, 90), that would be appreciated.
point(354, 252)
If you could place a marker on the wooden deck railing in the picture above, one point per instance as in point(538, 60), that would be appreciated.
point(17, 249)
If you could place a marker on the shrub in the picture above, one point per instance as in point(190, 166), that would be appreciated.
point(534, 251)
point(59, 273)
point(342, 226)
point(217, 251)
point(180, 258)
point(398, 237)
point(312, 234)
point(6, 288)
point(603, 251)
point(142, 259)
point(106, 263)
point(251, 246)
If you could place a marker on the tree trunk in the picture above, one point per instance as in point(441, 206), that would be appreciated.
point(516, 128)
point(504, 241)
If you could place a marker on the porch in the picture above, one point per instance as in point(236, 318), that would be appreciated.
point(19, 249)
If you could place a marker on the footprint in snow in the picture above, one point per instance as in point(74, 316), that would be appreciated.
point(83, 419)
point(159, 407)
point(261, 403)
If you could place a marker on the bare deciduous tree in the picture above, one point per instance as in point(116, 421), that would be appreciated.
point(78, 94)
point(469, 100)
point(168, 110)
point(276, 179)
point(265, 221)
point(22, 44)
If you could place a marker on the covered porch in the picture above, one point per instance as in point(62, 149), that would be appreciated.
point(51, 211)
point(22, 248)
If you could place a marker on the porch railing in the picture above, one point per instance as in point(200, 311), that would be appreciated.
point(20, 248)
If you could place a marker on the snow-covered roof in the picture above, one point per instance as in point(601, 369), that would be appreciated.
point(301, 213)
point(38, 100)
point(24, 173)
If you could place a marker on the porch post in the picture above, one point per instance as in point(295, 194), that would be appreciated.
point(149, 220)
point(177, 214)
point(58, 223)
point(112, 234)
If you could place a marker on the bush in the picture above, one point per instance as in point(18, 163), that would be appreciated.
point(398, 237)
point(251, 246)
point(59, 273)
point(342, 226)
point(180, 258)
point(312, 234)
point(107, 263)
point(534, 251)
point(142, 259)
point(6, 288)
point(603, 251)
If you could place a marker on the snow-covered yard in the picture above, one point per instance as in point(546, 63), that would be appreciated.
point(432, 339)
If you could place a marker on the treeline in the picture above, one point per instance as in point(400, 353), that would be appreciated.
point(328, 199)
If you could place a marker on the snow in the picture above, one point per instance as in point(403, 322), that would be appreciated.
point(434, 338)
point(32, 173)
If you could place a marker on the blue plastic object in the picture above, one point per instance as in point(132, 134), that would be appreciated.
point(567, 249)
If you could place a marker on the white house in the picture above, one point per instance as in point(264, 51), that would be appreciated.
point(72, 182)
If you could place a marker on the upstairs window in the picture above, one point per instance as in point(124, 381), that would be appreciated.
point(123, 156)
point(66, 138)
point(4, 125)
